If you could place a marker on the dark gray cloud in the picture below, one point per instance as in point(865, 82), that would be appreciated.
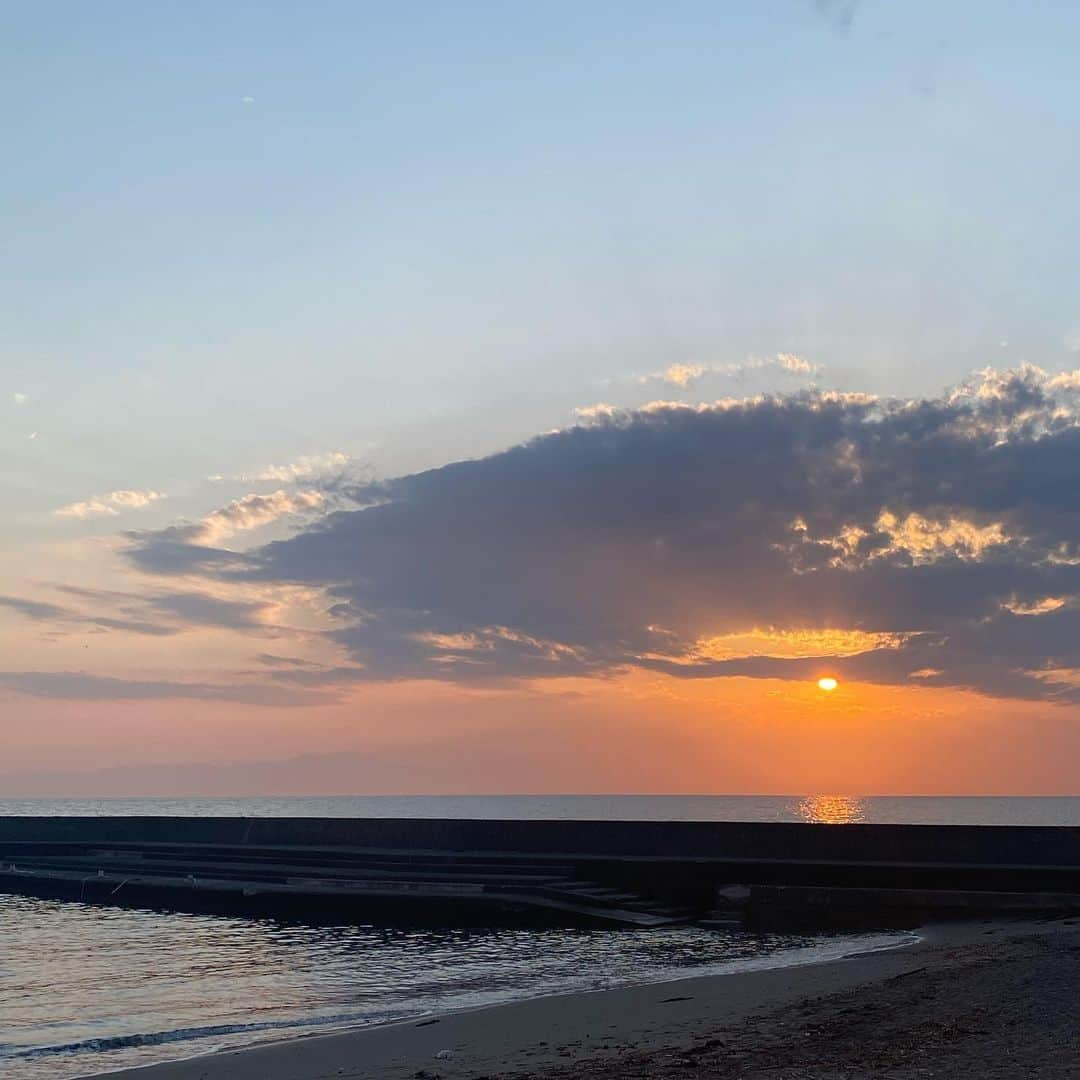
point(33, 609)
point(338, 675)
point(160, 613)
point(951, 524)
point(174, 551)
point(200, 609)
point(42, 611)
point(287, 662)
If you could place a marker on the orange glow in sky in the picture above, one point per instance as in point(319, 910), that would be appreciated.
point(634, 733)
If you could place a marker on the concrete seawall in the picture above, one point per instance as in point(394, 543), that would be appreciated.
point(986, 845)
point(629, 872)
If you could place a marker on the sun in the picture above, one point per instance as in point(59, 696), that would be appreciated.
point(828, 683)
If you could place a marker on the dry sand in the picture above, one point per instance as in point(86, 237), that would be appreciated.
point(988, 1000)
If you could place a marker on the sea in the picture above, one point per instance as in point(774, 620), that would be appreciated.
point(86, 989)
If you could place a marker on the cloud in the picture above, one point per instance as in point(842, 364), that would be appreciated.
point(110, 504)
point(194, 547)
point(600, 411)
point(685, 376)
point(32, 609)
point(43, 611)
point(287, 662)
point(20, 398)
point(796, 365)
point(200, 609)
point(682, 374)
point(241, 515)
point(303, 468)
point(177, 550)
point(253, 511)
point(157, 614)
point(767, 537)
point(77, 685)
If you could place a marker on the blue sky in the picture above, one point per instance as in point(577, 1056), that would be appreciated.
point(242, 236)
point(438, 227)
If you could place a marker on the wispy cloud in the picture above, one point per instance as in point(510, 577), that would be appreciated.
point(253, 511)
point(64, 617)
point(156, 612)
point(110, 504)
point(289, 662)
point(686, 375)
point(33, 609)
point(79, 685)
point(682, 375)
point(602, 410)
point(303, 468)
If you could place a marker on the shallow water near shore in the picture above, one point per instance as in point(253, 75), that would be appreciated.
point(86, 989)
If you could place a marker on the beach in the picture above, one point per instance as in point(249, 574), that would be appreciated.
point(993, 999)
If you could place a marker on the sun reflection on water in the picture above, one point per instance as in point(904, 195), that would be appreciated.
point(832, 809)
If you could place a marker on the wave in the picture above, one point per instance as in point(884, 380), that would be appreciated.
point(188, 1034)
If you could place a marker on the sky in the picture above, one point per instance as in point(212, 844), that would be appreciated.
point(539, 398)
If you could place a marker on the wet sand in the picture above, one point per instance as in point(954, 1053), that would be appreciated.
point(986, 1000)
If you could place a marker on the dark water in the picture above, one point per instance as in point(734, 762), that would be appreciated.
point(839, 809)
point(85, 989)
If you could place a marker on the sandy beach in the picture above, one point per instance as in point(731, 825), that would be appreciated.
point(996, 1000)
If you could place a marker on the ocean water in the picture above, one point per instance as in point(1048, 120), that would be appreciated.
point(85, 989)
point(832, 809)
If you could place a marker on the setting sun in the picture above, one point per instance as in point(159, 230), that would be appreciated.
point(828, 683)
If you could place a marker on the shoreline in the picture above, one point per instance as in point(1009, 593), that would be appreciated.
point(726, 969)
point(554, 1032)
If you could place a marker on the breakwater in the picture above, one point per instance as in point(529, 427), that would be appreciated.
point(634, 873)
